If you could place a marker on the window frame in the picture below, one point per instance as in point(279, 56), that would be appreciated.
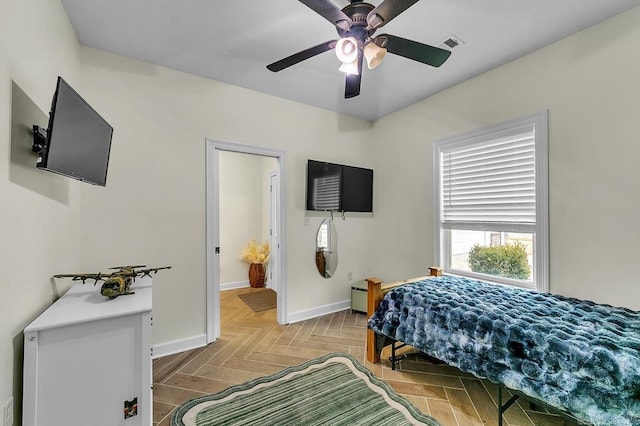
point(541, 233)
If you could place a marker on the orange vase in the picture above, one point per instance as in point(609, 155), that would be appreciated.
point(256, 275)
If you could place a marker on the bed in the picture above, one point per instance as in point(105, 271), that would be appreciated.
point(576, 356)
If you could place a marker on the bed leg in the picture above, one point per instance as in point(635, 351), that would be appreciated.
point(503, 407)
point(393, 356)
point(374, 296)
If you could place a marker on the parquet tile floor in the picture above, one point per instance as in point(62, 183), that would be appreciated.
point(254, 344)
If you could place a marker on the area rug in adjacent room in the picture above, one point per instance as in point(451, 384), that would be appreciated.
point(261, 300)
point(331, 390)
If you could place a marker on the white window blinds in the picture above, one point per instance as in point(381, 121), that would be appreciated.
point(491, 183)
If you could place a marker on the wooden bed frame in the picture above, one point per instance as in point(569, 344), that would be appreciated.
point(375, 294)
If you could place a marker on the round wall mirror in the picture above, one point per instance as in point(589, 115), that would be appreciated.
point(327, 249)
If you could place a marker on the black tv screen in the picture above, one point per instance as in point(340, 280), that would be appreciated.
point(336, 187)
point(78, 139)
point(357, 189)
point(324, 181)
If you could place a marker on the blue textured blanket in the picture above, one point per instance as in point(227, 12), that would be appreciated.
point(575, 355)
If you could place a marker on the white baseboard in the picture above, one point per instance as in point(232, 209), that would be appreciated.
point(177, 346)
point(318, 311)
point(231, 286)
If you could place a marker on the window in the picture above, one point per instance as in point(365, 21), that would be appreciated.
point(491, 201)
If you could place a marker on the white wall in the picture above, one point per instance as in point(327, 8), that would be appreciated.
point(38, 233)
point(589, 83)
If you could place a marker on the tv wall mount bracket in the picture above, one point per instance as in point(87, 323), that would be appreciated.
point(39, 139)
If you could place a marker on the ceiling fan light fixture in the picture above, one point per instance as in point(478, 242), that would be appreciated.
point(349, 68)
point(373, 54)
point(347, 49)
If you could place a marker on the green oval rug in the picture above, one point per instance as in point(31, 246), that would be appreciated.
point(331, 390)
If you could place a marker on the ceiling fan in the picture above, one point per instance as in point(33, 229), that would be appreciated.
point(356, 24)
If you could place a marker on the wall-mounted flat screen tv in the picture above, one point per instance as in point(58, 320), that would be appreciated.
point(336, 187)
point(77, 139)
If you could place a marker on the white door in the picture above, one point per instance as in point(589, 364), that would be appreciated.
point(274, 232)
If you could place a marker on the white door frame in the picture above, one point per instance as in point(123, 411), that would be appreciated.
point(213, 149)
point(274, 230)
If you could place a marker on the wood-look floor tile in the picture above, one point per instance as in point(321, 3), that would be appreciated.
point(417, 389)
point(269, 341)
point(423, 378)
point(463, 408)
point(442, 412)
point(173, 395)
point(542, 419)
point(166, 421)
point(161, 410)
point(306, 353)
point(249, 344)
point(514, 415)
point(312, 344)
point(305, 331)
point(201, 384)
point(230, 375)
point(336, 340)
point(226, 352)
point(261, 367)
point(361, 320)
point(355, 335)
point(253, 344)
point(232, 331)
point(358, 353)
point(322, 326)
point(419, 402)
point(337, 319)
point(276, 359)
point(201, 358)
point(427, 367)
point(484, 405)
point(289, 334)
point(257, 322)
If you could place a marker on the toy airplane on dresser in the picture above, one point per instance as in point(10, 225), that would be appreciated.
point(116, 283)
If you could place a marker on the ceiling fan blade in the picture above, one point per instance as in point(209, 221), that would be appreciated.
point(330, 12)
point(410, 49)
point(386, 11)
point(301, 56)
point(352, 82)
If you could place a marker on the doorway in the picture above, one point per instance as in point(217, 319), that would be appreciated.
point(277, 266)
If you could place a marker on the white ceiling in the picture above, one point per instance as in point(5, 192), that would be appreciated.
point(232, 41)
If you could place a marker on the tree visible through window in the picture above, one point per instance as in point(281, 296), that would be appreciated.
point(491, 200)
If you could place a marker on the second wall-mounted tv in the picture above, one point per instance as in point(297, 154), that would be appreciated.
point(336, 187)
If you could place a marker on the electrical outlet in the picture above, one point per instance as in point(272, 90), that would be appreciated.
point(349, 276)
point(8, 413)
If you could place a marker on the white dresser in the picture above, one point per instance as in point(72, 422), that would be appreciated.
point(86, 355)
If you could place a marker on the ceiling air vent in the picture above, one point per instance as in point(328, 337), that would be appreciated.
point(450, 42)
